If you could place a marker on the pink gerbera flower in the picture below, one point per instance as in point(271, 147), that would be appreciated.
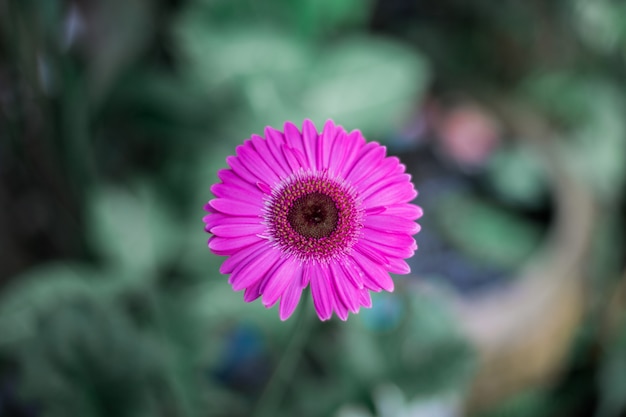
point(306, 208)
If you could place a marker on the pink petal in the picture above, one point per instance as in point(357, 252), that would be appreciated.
point(306, 276)
point(236, 208)
point(213, 219)
point(243, 256)
point(384, 180)
point(254, 163)
point(370, 157)
point(338, 152)
point(391, 224)
point(242, 170)
point(400, 169)
point(228, 230)
point(399, 266)
point(345, 292)
point(342, 163)
point(365, 299)
point(395, 245)
point(391, 240)
point(393, 194)
point(293, 138)
point(249, 273)
point(309, 141)
point(365, 281)
point(235, 192)
point(340, 308)
point(207, 207)
point(228, 246)
point(372, 211)
point(274, 136)
point(290, 297)
point(275, 162)
point(276, 284)
point(383, 171)
point(321, 291)
point(218, 219)
point(265, 189)
point(372, 254)
point(294, 158)
point(229, 177)
point(352, 273)
point(409, 211)
point(270, 274)
point(275, 141)
point(327, 139)
point(252, 292)
point(375, 273)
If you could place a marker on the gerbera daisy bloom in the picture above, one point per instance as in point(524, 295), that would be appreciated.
point(325, 209)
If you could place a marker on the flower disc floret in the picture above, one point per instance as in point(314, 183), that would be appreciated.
point(314, 217)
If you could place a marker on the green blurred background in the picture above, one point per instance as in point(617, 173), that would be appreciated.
point(115, 116)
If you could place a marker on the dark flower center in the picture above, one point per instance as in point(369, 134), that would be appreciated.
point(313, 215)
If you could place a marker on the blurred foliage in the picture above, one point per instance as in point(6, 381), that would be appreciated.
point(115, 117)
point(612, 374)
point(589, 109)
point(493, 225)
point(517, 176)
point(277, 75)
point(389, 401)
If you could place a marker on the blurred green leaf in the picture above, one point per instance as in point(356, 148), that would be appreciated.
point(317, 18)
point(85, 347)
point(215, 303)
point(167, 108)
point(353, 411)
point(517, 176)
point(117, 40)
point(434, 349)
point(89, 360)
point(134, 232)
point(560, 94)
point(367, 83)
point(529, 403)
point(39, 290)
point(366, 358)
point(311, 20)
point(594, 146)
point(390, 401)
point(486, 232)
point(223, 56)
point(427, 354)
point(612, 376)
point(362, 83)
point(601, 24)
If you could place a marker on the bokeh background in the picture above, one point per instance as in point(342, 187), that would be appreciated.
point(115, 116)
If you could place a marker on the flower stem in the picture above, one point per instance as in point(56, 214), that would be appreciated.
point(274, 391)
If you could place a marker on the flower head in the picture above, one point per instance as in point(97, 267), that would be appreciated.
point(300, 208)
